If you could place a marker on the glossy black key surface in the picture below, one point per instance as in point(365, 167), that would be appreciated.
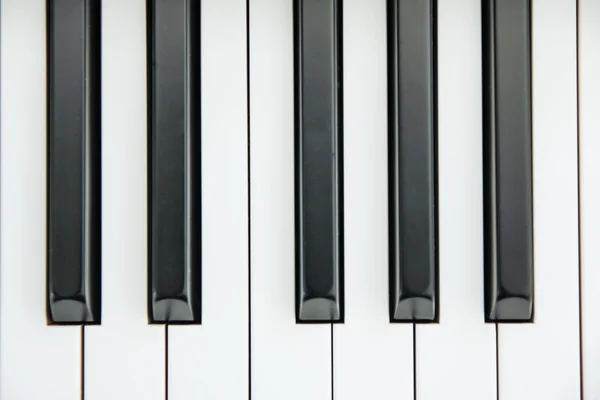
point(412, 160)
point(507, 160)
point(318, 120)
point(174, 160)
point(73, 95)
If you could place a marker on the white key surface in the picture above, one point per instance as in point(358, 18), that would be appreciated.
point(541, 360)
point(37, 361)
point(124, 357)
point(589, 179)
point(457, 357)
point(372, 357)
point(289, 361)
point(210, 361)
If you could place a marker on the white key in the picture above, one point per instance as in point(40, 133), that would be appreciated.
point(541, 360)
point(289, 361)
point(37, 361)
point(124, 357)
point(210, 361)
point(457, 358)
point(589, 176)
point(372, 357)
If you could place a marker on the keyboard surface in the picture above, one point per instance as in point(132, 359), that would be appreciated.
point(300, 199)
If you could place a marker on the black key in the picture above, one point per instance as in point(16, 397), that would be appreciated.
point(73, 28)
point(174, 158)
point(507, 160)
point(319, 200)
point(412, 160)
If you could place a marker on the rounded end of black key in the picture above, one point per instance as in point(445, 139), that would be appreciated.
point(511, 309)
point(414, 309)
point(71, 312)
point(174, 311)
point(319, 310)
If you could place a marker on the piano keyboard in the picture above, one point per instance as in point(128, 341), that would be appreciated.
point(302, 199)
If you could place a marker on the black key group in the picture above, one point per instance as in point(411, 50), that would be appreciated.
point(174, 161)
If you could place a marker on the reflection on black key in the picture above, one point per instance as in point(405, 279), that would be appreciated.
point(508, 160)
point(73, 161)
point(412, 160)
point(319, 205)
point(174, 159)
